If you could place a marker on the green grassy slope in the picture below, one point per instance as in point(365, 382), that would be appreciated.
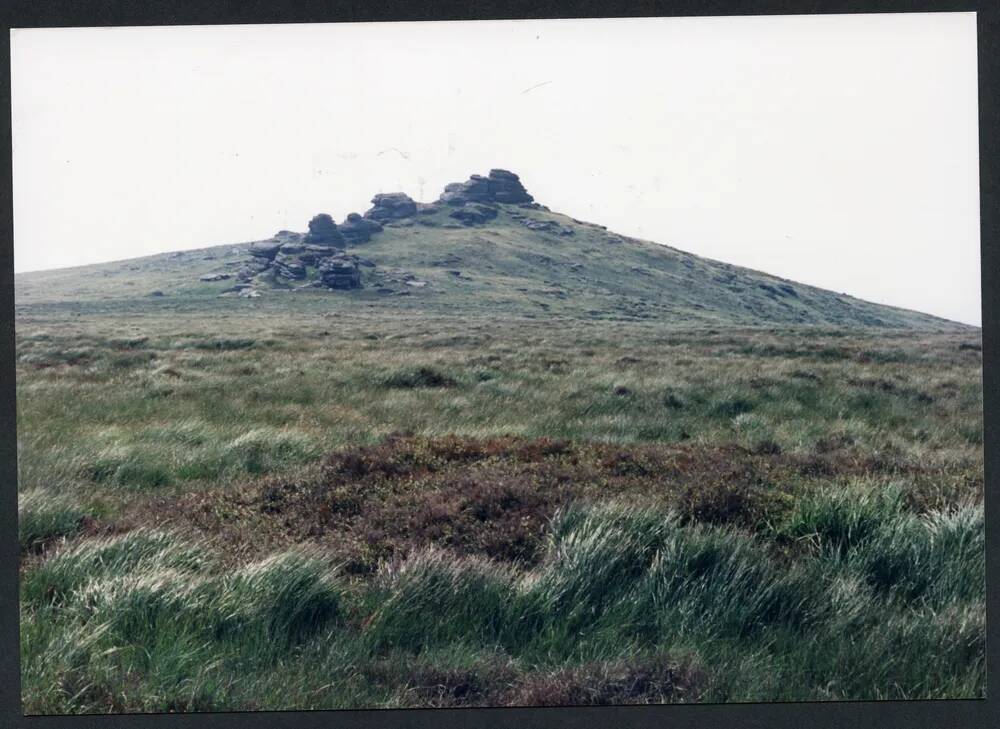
point(499, 267)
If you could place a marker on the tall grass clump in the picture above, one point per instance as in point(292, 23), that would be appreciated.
point(263, 607)
point(43, 516)
point(936, 558)
point(57, 577)
point(595, 556)
point(613, 574)
point(617, 574)
point(879, 651)
point(131, 469)
point(433, 598)
point(837, 520)
point(265, 449)
point(711, 581)
point(142, 606)
point(108, 608)
point(278, 601)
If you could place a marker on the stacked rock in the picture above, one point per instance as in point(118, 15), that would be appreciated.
point(289, 266)
point(356, 229)
point(265, 249)
point(323, 231)
point(507, 188)
point(501, 186)
point(391, 206)
point(476, 189)
point(287, 256)
point(253, 267)
point(340, 272)
point(311, 254)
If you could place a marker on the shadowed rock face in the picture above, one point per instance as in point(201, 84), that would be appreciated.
point(289, 267)
point(287, 256)
point(391, 206)
point(311, 254)
point(474, 213)
point(340, 272)
point(266, 249)
point(501, 186)
point(357, 229)
point(323, 231)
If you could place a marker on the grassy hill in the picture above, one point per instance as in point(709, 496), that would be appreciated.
point(502, 267)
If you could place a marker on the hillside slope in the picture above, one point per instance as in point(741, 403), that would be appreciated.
point(526, 261)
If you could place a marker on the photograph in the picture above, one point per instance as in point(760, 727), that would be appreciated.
point(465, 364)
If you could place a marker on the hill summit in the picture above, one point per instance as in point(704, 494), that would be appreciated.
point(484, 245)
point(318, 258)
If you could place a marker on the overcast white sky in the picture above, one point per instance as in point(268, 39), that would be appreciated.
point(840, 151)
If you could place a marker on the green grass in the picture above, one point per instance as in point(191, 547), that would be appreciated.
point(43, 516)
point(506, 269)
point(56, 579)
point(214, 517)
point(155, 604)
point(620, 586)
point(619, 581)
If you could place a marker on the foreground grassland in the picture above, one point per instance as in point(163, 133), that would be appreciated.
point(293, 511)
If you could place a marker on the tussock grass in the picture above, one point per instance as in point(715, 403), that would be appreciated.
point(932, 557)
point(282, 599)
point(620, 577)
point(935, 559)
point(44, 515)
point(156, 605)
point(73, 567)
point(263, 449)
point(839, 520)
point(617, 582)
point(432, 599)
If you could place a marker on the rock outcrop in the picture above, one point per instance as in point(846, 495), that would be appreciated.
point(543, 226)
point(391, 206)
point(357, 229)
point(506, 187)
point(340, 272)
point(474, 213)
point(323, 231)
point(312, 254)
point(266, 249)
point(318, 259)
point(313, 259)
point(500, 186)
point(289, 267)
point(252, 268)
